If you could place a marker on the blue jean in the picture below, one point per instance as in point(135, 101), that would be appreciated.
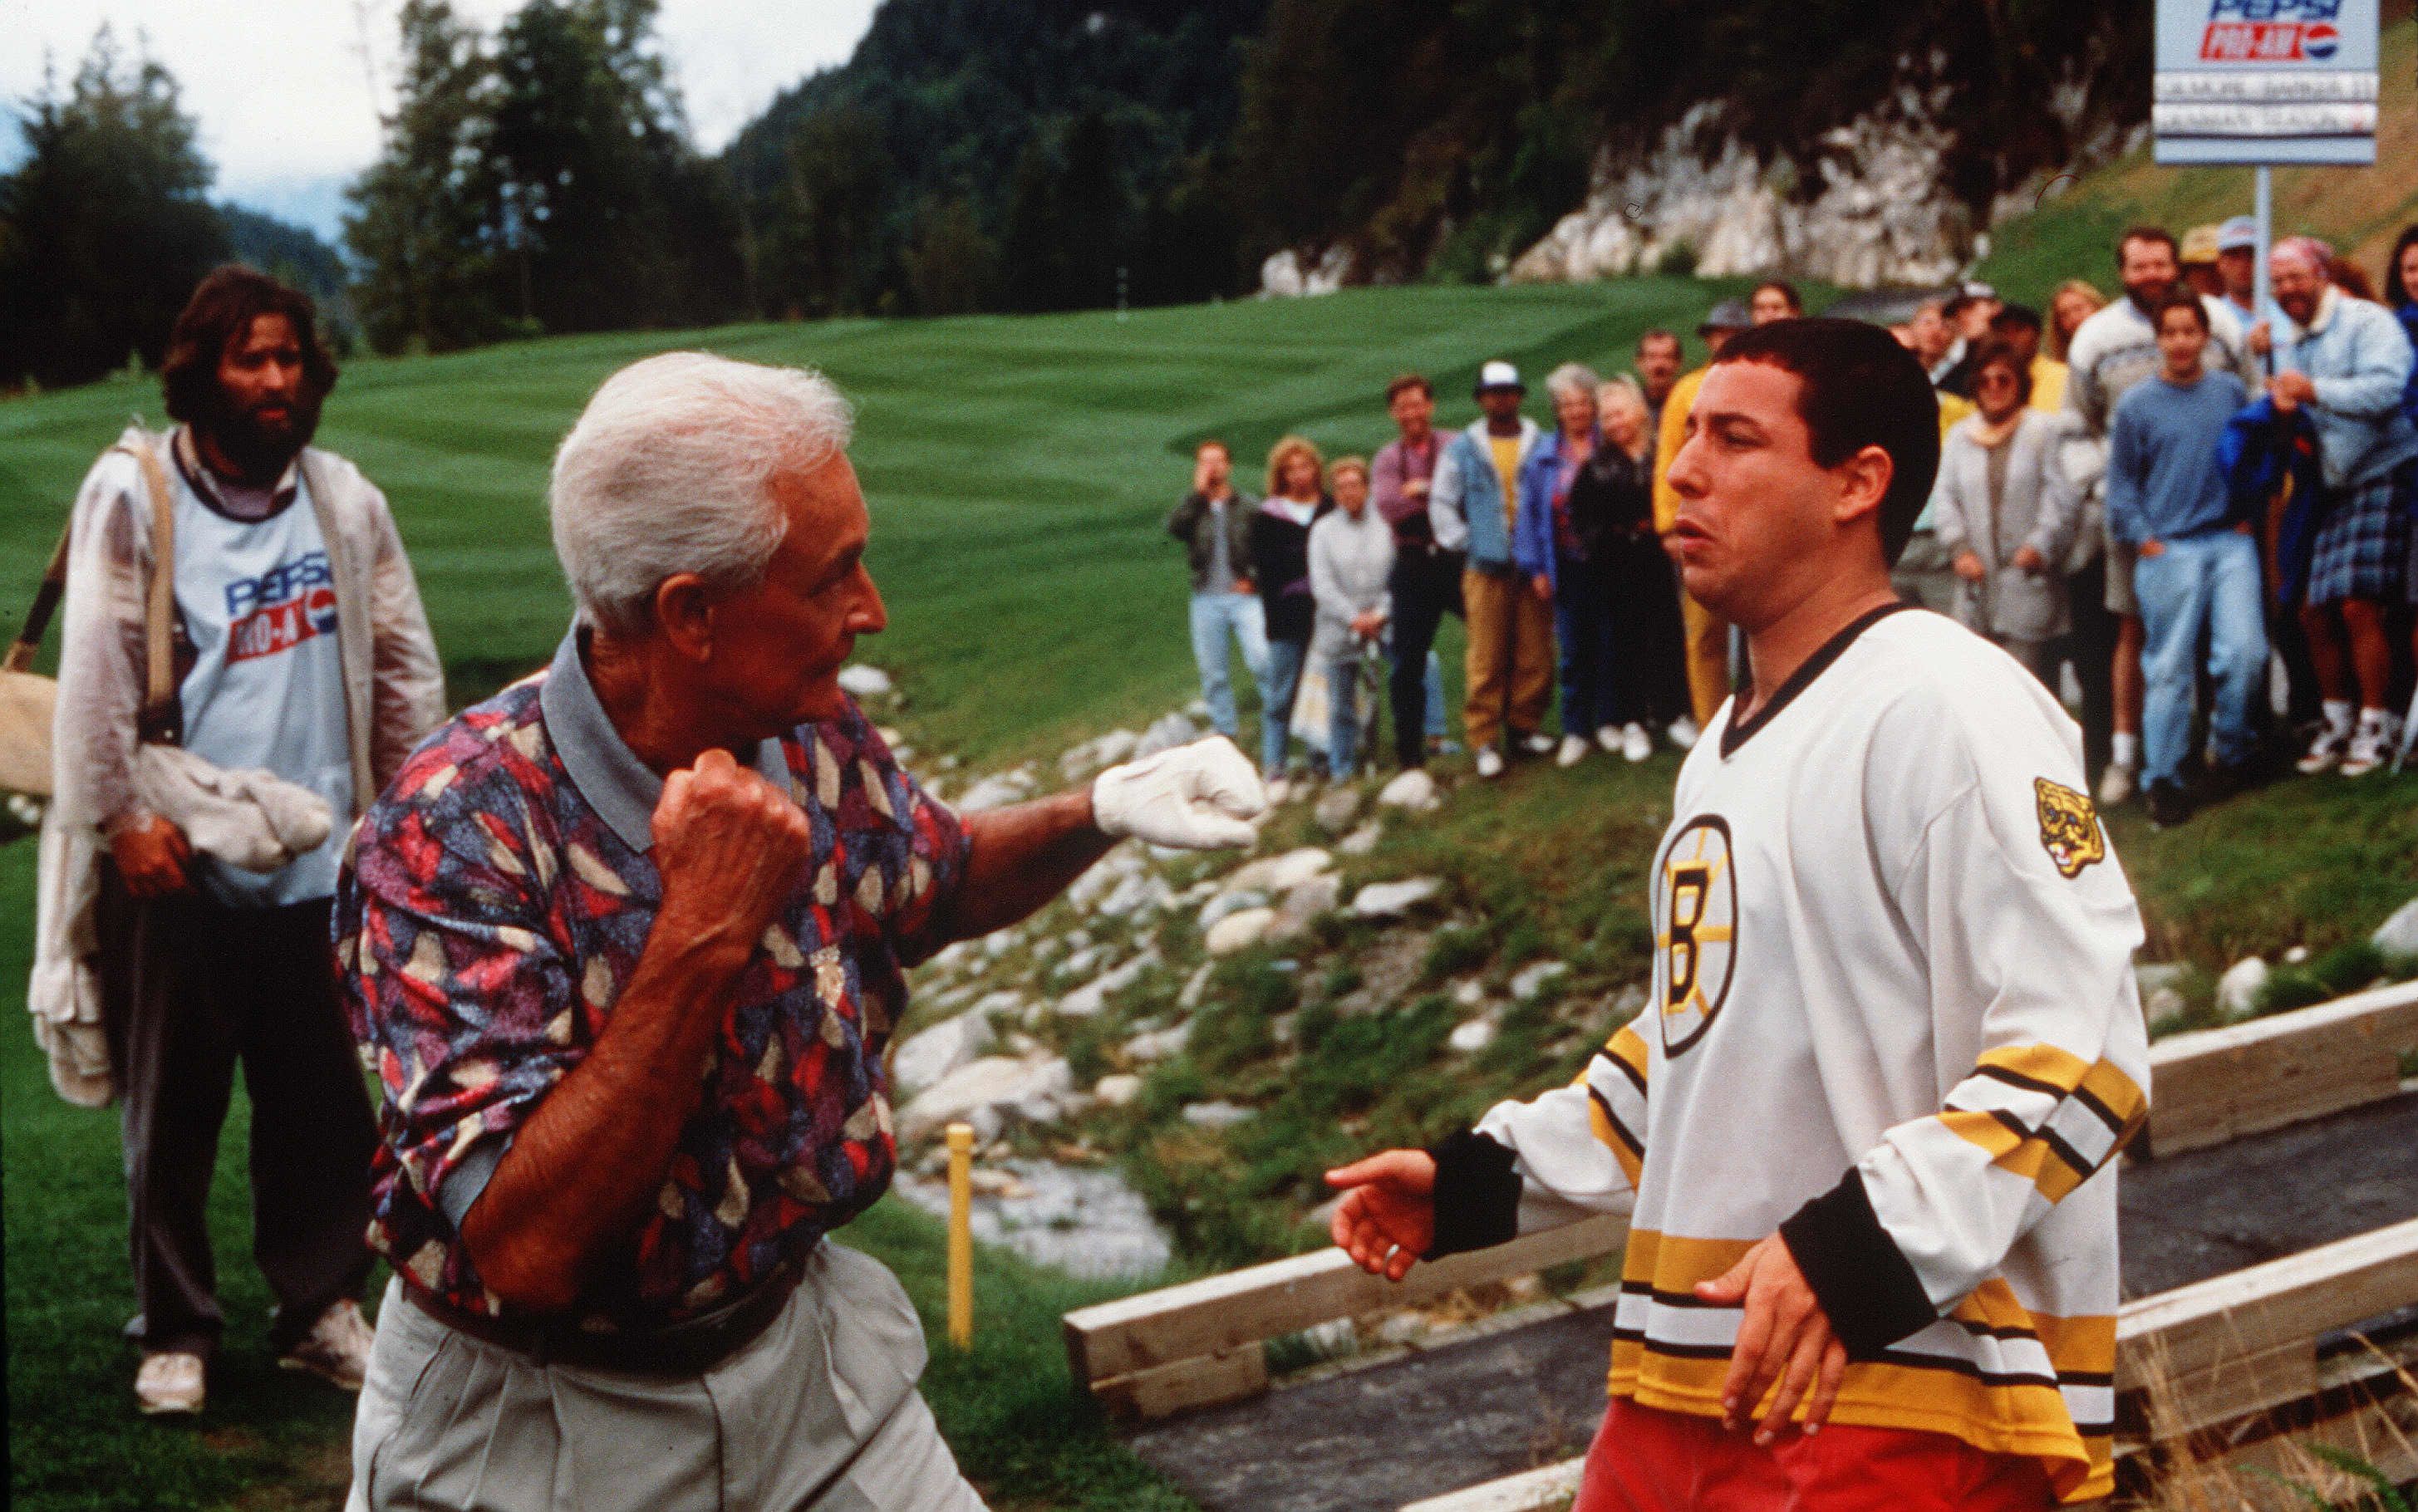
point(1583, 631)
point(1285, 659)
point(1215, 615)
point(2212, 580)
point(1343, 674)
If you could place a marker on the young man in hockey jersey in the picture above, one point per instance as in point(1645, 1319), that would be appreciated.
point(1865, 1128)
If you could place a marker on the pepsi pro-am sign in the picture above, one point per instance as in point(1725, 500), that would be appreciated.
point(2266, 82)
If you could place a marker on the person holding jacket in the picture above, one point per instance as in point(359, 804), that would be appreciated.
point(1473, 506)
point(2006, 513)
point(1214, 522)
point(1351, 563)
point(1280, 563)
point(1558, 552)
point(2347, 363)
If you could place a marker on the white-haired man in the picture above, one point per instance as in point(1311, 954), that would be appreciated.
point(626, 944)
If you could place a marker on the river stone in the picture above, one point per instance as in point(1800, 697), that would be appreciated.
point(925, 1057)
point(1238, 931)
point(2237, 990)
point(989, 1093)
point(1391, 900)
point(1281, 874)
point(1413, 789)
point(991, 793)
point(1158, 1044)
point(1165, 734)
point(1117, 1090)
point(1082, 1220)
point(1304, 903)
point(1234, 900)
point(1337, 810)
point(1472, 1037)
point(1361, 841)
point(1087, 1000)
point(2398, 934)
point(1469, 994)
point(1143, 892)
point(1195, 987)
point(1217, 1115)
point(1532, 979)
point(861, 682)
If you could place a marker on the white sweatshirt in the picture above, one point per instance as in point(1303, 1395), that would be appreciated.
point(1893, 1019)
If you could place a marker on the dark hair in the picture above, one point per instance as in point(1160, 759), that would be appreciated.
point(2397, 293)
point(1858, 388)
point(1997, 351)
point(2181, 298)
point(2018, 317)
point(222, 309)
point(2148, 232)
point(1788, 292)
point(1658, 335)
point(1409, 380)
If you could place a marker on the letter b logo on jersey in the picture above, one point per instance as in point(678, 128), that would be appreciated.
point(1696, 929)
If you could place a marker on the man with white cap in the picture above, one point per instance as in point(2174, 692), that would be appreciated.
point(2237, 264)
point(1473, 505)
point(625, 944)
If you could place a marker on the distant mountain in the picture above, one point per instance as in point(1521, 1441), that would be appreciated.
point(295, 255)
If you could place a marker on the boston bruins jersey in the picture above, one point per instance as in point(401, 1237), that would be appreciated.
point(1894, 1018)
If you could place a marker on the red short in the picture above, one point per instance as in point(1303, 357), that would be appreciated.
point(1648, 1460)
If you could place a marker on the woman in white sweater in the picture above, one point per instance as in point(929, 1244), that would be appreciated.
point(1351, 556)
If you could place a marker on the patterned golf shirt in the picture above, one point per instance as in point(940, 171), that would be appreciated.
point(494, 905)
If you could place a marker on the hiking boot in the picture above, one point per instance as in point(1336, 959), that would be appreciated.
point(2370, 748)
point(2167, 805)
point(169, 1385)
point(1573, 750)
point(2326, 751)
point(337, 1348)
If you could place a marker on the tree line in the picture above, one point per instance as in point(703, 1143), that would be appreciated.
point(1045, 155)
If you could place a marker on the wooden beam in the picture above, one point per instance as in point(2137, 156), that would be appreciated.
point(1219, 1313)
point(1547, 1489)
point(2219, 1084)
point(1205, 1382)
point(2198, 1327)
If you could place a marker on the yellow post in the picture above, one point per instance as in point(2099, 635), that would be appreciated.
point(961, 1235)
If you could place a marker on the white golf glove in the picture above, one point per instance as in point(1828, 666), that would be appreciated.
point(1196, 797)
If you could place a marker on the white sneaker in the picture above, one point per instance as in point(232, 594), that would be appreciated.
point(1490, 762)
point(2326, 751)
point(169, 1383)
point(337, 1348)
point(2115, 786)
point(2371, 748)
point(1683, 733)
point(1634, 742)
point(1539, 744)
point(1607, 737)
point(1573, 750)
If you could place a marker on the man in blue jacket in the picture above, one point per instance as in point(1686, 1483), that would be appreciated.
point(1473, 505)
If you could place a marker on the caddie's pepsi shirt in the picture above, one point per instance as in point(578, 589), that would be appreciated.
point(496, 903)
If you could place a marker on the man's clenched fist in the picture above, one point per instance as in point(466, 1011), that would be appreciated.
point(731, 847)
point(1196, 797)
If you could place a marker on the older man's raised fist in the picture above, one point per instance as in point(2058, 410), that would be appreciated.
point(1196, 797)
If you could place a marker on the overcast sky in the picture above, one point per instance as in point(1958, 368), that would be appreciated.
point(282, 93)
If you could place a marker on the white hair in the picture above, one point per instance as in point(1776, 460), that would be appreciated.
point(1572, 377)
point(670, 470)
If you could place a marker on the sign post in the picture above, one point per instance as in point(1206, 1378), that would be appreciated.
point(2266, 82)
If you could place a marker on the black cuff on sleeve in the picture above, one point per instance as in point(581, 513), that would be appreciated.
point(1868, 1293)
point(1477, 1194)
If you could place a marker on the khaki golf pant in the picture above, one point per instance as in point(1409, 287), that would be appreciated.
point(818, 1412)
point(1708, 658)
point(1510, 656)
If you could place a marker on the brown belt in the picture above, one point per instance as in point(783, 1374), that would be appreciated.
point(683, 1349)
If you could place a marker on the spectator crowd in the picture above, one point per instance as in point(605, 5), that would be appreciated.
point(2190, 514)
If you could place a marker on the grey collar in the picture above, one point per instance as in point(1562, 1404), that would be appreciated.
point(621, 789)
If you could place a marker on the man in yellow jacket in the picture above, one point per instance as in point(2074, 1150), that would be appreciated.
point(1708, 636)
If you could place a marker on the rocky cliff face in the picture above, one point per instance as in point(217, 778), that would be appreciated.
point(1863, 206)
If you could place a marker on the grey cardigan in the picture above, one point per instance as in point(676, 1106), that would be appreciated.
point(1350, 561)
point(2039, 507)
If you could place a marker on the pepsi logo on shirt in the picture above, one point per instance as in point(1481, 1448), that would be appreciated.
point(292, 602)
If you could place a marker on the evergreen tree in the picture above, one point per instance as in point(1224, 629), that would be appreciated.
point(104, 227)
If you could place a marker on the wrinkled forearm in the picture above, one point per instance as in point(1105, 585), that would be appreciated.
point(1019, 858)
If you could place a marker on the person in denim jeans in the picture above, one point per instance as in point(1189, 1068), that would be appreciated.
point(2196, 564)
point(1351, 564)
point(1214, 522)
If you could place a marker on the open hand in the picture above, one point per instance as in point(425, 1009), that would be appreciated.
point(2029, 559)
point(1968, 566)
point(731, 848)
point(151, 857)
point(1786, 1338)
point(1386, 1220)
point(1196, 797)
